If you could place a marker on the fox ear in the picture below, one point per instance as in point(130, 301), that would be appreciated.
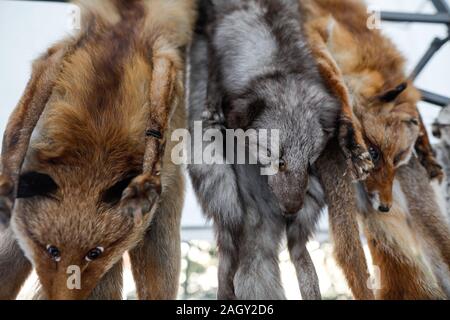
point(25, 116)
point(35, 184)
point(242, 113)
point(391, 95)
point(435, 130)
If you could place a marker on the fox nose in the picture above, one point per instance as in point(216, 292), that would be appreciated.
point(291, 207)
point(383, 208)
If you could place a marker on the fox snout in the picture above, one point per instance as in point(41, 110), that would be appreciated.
point(385, 204)
point(66, 294)
point(59, 289)
point(290, 190)
point(67, 282)
point(382, 201)
point(291, 207)
point(379, 187)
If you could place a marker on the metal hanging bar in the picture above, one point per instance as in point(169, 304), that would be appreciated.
point(438, 18)
point(441, 17)
point(435, 46)
point(441, 6)
point(434, 98)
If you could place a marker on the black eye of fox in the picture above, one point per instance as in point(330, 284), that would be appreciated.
point(32, 184)
point(94, 253)
point(54, 253)
point(282, 165)
point(113, 195)
point(374, 154)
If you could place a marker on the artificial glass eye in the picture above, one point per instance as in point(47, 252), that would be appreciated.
point(54, 253)
point(375, 154)
point(282, 165)
point(94, 253)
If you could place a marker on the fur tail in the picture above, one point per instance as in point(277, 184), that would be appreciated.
point(205, 13)
point(404, 271)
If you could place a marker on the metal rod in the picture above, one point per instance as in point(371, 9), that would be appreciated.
point(439, 18)
point(434, 98)
point(441, 6)
point(435, 46)
point(442, 17)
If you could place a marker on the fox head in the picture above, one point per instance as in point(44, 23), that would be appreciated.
point(304, 115)
point(441, 126)
point(384, 102)
point(391, 127)
point(69, 220)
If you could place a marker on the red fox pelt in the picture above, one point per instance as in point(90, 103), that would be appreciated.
point(365, 69)
point(86, 169)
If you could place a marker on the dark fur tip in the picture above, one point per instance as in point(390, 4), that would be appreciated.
point(35, 184)
point(158, 188)
point(4, 222)
point(391, 95)
point(290, 217)
point(436, 130)
point(204, 11)
point(153, 133)
point(347, 135)
point(436, 172)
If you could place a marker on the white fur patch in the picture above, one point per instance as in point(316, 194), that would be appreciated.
point(439, 191)
point(407, 158)
point(399, 197)
point(375, 201)
point(23, 242)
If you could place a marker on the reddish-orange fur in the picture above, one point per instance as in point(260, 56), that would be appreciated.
point(96, 95)
point(364, 65)
point(350, 132)
point(400, 251)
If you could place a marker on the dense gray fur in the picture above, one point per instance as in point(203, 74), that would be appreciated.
point(441, 130)
point(443, 156)
point(252, 69)
point(14, 266)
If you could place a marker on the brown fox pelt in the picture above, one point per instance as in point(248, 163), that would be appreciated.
point(86, 168)
point(365, 70)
